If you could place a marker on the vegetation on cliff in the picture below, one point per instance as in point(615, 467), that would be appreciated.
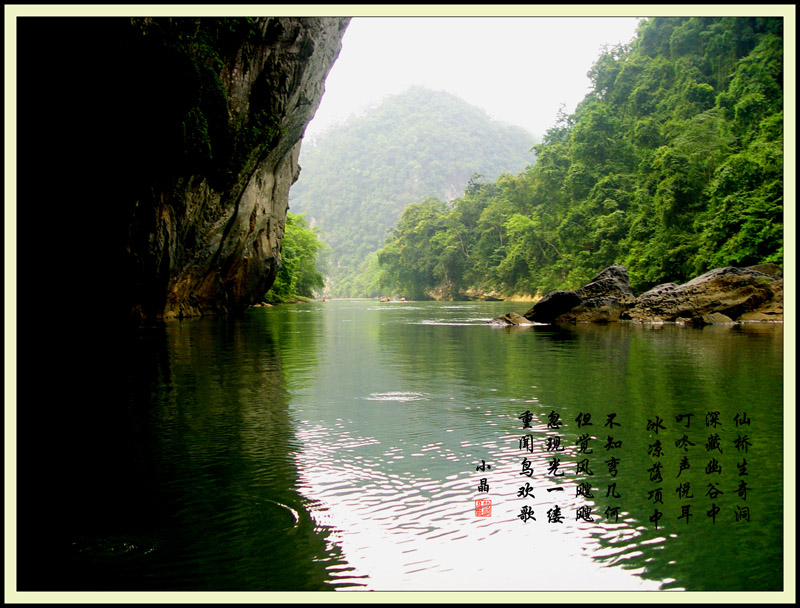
point(302, 261)
point(357, 178)
point(671, 165)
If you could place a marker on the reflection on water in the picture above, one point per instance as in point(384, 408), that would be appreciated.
point(183, 480)
point(344, 446)
point(396, 480)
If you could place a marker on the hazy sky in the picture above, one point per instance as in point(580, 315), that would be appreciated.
point(519, 69)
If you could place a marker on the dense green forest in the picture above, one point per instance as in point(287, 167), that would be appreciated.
point(302, 263)
point(671, 165)
point(357, 177)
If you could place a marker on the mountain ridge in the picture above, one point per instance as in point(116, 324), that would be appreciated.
point(358, 176)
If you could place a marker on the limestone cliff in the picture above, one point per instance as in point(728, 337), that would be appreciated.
point(162, 151)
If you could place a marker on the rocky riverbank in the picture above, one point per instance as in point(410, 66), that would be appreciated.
point(722, 295)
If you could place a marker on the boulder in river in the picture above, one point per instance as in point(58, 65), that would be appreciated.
point(511, 318)
point(733, 292)
point(611, 282)
point(600, 309)
point(720, 296)
point(552, 305)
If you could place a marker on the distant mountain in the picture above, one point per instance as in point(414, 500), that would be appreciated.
point(672, 165)
point(357, 178)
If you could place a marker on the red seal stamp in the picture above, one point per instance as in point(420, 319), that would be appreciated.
point(483, 507)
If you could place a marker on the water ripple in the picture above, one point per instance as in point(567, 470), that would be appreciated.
point(114, 547)
point(400, 396)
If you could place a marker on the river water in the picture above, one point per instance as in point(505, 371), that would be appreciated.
point(351, 445)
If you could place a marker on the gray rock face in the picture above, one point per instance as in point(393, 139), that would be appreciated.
point(730, 291)
point(772, 270)
point(214, 247)
point(600, 309)
point(611, 282)
point(174, 143)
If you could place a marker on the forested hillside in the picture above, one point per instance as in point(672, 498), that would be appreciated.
point(671, 165)
point(357, 178)
point(302, 263)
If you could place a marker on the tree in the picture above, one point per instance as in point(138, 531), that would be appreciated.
point(671, 165)
point(299, 274)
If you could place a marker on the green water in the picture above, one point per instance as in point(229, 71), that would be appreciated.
point(335, 446)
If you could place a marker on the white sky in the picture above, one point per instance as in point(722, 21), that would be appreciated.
point(519, 69)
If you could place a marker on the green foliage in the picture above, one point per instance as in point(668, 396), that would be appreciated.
point(672, 165)
point(357, 178)
point(299, 275)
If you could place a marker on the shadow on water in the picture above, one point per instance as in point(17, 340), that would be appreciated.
point(166, 466)
point(323, 446)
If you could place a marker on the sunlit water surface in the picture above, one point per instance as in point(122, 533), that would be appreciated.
point(336, 446)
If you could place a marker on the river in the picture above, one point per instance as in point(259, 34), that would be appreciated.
point(354, 444)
